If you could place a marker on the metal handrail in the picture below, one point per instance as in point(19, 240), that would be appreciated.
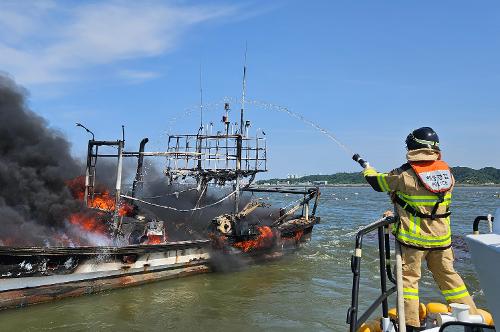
point(382, 227)
point(475, 225)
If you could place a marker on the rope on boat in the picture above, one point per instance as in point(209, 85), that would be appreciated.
point(180, 210)
point(176, 193)
point(293, 203)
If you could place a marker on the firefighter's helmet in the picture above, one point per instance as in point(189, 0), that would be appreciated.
point(421, 138)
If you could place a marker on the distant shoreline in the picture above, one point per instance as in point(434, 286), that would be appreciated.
point(364, 185)
point(464, 177)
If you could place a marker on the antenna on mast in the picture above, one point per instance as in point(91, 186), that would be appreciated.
point(243, 90)
point(201, 101)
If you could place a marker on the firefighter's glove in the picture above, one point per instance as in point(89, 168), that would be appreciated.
point(388, 213)
point(369, 171)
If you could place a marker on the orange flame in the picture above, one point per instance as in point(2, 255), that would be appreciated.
point(88, 222)
point(155, 239)
point(102, 201)
point(264, 240)
point(93, 221)
point(298, 235)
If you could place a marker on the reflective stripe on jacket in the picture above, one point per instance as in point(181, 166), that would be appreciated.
point(403, 182)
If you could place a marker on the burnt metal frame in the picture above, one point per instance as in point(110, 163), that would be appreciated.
point(382, 227)
point(90, 171)
point(241, 158)
point(236, 154)
point(138, 180)
point(309, 194)
point(93, 154)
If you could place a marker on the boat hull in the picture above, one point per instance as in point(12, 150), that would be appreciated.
point(97, 269)
point(485, 252)
point(36, 275)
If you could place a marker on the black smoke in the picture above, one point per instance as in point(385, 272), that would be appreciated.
point(35, 162)
point(194, 224)
point(35, 201)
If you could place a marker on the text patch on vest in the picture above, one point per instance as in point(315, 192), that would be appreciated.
point(437, 180)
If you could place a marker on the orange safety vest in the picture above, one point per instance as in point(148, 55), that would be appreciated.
point(435, 175)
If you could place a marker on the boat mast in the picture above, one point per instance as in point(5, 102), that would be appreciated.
point(201, 101)
point(199, 140)
point(239, 141)
point(243, 92)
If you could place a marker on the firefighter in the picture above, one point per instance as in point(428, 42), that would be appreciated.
point(421, 191)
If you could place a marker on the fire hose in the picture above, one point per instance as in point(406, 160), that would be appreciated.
point(399, 266)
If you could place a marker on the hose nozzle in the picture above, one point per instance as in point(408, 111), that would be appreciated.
point(357, 158)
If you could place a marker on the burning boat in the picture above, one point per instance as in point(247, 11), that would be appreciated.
point(137, 243)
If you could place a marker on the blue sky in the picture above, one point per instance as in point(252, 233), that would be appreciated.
point(369, 72)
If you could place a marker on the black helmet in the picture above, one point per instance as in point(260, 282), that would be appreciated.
point(421, 138)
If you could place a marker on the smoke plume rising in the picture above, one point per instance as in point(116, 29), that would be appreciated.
point(191, 225)
point(37, 208)
point(35, 161)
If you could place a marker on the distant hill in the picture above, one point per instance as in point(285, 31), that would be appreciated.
point(466, 175)
point(463, 175)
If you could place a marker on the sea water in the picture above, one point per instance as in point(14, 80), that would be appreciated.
point(310, 290)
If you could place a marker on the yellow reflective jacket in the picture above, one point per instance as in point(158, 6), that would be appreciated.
point(403, 182)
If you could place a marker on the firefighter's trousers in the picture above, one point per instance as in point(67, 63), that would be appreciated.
point(440, 263)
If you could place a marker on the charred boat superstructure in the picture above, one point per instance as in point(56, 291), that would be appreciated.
point(232, 157)
point(139, 247)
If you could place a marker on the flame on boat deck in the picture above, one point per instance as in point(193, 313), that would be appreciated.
point(95, 221)
point(155, 239)
point(264, 240)
point(298, 235)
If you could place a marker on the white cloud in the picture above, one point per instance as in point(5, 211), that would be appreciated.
point(137, 76)
point(21, 18)
point(42, 42)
